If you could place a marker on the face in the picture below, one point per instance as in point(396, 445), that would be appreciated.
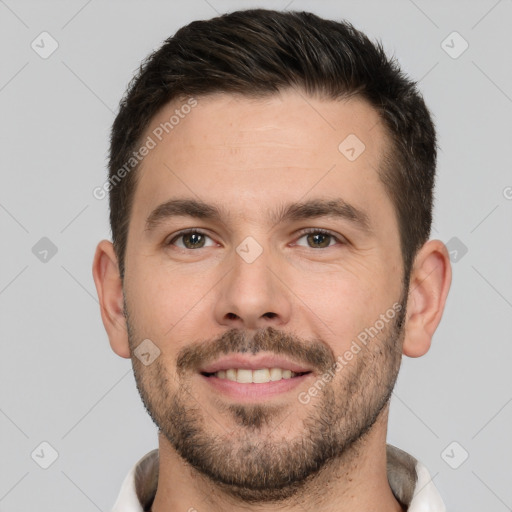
point(290, 259)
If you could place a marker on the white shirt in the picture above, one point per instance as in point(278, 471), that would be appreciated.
point(409, 480)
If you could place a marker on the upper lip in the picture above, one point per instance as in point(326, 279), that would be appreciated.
point(254, 363)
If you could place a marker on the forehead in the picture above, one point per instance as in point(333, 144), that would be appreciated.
point(252, 153)
point(283, 123)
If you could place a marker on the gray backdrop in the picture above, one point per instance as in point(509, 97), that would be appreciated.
point(61, 385)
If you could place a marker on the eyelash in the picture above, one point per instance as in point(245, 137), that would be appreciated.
point(302, 234)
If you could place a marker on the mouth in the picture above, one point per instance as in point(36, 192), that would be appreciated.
point(254, 378)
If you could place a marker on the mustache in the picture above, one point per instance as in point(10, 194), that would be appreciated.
point(314, 353)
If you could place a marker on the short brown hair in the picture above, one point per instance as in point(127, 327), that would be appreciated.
point(259, 52)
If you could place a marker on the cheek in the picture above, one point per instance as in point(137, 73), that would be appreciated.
point(342, 304)
point(153, 300)
point(335, 301)
point(167, 301)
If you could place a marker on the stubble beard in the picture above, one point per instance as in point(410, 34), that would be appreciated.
point(251, 463)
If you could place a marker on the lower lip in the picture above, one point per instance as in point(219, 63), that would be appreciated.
point(254, 390)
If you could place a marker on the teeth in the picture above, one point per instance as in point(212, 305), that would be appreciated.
point(276, 374)
point(259, 376)
point(244, 376)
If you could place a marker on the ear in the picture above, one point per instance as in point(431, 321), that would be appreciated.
point(431, 277)
point(109, 286)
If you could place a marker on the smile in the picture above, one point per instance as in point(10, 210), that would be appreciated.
point(259, 376)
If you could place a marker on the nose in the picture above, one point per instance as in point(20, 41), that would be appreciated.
point(253, 295)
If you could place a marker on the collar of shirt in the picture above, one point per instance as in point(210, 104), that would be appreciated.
point(408, 478)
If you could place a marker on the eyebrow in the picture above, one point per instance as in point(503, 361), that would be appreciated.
point(311, 209)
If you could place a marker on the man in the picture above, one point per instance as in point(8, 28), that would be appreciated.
point(271, 182)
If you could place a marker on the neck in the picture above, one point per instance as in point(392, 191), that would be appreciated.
point(356, 481)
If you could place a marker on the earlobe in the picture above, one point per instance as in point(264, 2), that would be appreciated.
point(109, 287)
point(430, 282)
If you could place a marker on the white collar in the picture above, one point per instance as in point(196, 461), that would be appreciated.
point(408, 478)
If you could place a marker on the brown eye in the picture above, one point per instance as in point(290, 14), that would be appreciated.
point(319, 239)
point(192, 239)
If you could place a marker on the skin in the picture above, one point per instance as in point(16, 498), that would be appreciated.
point(249, 157)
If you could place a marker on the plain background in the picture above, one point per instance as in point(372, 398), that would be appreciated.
point(60, 381)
